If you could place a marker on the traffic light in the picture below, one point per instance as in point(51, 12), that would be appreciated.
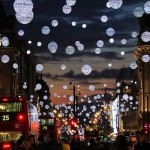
point(146, 128)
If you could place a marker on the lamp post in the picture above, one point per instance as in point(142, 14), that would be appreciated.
point(74, 98)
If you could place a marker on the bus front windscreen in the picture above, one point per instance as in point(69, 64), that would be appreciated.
point(10, 136)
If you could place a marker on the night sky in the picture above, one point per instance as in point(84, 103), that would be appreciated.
point(88, 12)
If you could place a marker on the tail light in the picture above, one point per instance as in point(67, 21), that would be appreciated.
point(6, 146)
point(20, 117)
point(5, 99)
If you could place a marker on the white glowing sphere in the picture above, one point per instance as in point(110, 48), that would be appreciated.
point(28, 52)
point(138, 12)
point(52, 46)
point(125, 96)
point(97, 50)
point(110, 65)
point(63, 67)
point(45, 97)
point(115, 4)
point(15, 65)
point(83, 25)
point(55, 94)
point(46, 106)
point(136, 102)
point(20, 32)
point(89, 101)
point(73, 23)
point(54, 23)
point(70, 50)
point(87, 114)
point(91, 87)
point(24, 86)
point(145, 58)
point(104, 18)
point(31, 96)
point(38, 86)
point(23, 6)
point(5, 58)
point(24, 18)
point(98, 96)
point(147, 7)
point(111, 40)
point(86, 69)
point(80, 47)
point(118, 91)
point(122, 109)
point(39, 67)
point(118, 84)
point(122, 53)
point(5, 41)
point(65, 87)
point(71, 98)
point(145, 36)
point(121, 105)
point(29, 42)
point(110, 31)
point(66, 9)
point(123, 41)
point(100, 43)
point(39, 44)
point(108, 5)
point(41, 102)
point(31, 100)
point(85, 96)
point(134, 34)
point(131, 98)
point(70, 2)
point(45, 30)
point(133, 65)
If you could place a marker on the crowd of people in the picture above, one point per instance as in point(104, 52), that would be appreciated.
point(51, 143)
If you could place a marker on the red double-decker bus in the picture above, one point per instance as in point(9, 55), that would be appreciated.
point(47, 126)
point(18, 117)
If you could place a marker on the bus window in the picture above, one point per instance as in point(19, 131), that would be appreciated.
point(10, 136)
point(11, 107)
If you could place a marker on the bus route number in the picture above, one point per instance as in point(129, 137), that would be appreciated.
point(5, 117)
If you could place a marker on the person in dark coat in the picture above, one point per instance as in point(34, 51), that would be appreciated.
point(141, 144)
point(52, 143)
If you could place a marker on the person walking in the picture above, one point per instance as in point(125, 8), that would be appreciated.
point(141, 143)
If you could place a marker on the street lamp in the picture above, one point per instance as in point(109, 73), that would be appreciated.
point(74, 98)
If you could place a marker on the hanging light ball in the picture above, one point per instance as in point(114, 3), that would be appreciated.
point(133, 65)
point(100, 43)
point(70, 50)
point(115, 4)
point(138, 12)
point(66, 9)
point(5, 41)
point(39, 67)
point(147, 7)
point(145, 58)
point(45, 30)
point(23, 6)
point(5, 58)
point(24, 18)
point(86, 69)
point(70, 2)
point(15, 65)
point(145, 36)
point(52, 46)
point(54, 23)
point(110, 31)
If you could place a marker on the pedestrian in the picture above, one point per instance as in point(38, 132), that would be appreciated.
point(141, 143)
point(120, 143)
point(32, 143)
point(65, 144)
point(52, 142)
point(20, 144)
